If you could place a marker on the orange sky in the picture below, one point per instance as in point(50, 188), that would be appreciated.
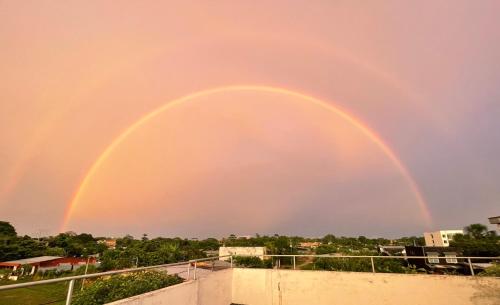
point(76, 74)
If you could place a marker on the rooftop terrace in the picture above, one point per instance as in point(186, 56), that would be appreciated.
point(218, 283)
point(294, 287)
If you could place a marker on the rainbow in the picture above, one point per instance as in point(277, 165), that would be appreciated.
point(169, 105)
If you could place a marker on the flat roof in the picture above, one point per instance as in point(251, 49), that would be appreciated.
point(494, 220)
point(33, 260)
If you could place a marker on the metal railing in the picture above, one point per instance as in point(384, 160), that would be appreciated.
point(373, 257)
point(72, 279)
point(194, 263)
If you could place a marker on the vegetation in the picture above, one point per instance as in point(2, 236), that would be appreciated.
point(118, 287)
point(53, 294)
point(492, 271)
point(252, 262)
point(477, 241)
point(131, 252)
point(6, 229)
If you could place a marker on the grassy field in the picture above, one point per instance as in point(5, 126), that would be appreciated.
point(53, 294)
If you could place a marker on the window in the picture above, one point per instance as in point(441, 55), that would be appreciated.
point(445, 241)
point(433, 258)
point(451, 258)
point(444, 235)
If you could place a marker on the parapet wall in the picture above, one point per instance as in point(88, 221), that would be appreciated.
point(294, 287)
point(300, 287)
point(213, 289)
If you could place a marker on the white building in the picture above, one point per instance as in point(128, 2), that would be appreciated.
point(242, 251)
point(495, 221)
point(440, 238)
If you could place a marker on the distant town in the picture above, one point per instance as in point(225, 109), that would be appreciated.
point(24, 259)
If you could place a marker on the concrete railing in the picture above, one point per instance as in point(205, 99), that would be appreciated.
point(194, 264)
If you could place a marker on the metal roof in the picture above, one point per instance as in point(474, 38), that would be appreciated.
point(33, 260)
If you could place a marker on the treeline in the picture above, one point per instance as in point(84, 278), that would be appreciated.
point(14, 247)
point(477, 241)
point(129, 251)
point(328, 244)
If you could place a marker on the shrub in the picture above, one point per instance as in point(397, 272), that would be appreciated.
point(343, 264)
point(105, 290)
point(252, 262)
point(81, 270)
point(493, 270)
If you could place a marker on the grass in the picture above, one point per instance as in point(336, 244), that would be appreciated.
point(51, 294)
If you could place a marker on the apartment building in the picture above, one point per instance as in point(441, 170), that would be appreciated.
point(440, 238)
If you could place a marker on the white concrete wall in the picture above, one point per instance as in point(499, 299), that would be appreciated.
point(243, 251)
point(289, 287)
point(300, 287)
point(214, 289)
point(185, 293)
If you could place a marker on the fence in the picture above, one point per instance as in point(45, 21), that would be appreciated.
point(192, 268)
point(372, 258)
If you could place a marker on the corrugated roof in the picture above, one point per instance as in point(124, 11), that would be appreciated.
point(34, 260)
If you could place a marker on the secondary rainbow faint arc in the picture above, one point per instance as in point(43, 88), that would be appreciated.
point(169, 105)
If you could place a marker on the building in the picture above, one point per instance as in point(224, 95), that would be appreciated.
point(309, 244)
point(244, 237)
point(391, 250)
point(259, 252)
point(43, 263)
point(110, 242)
point(440, 238)
point(437, 259)
point(495, 221)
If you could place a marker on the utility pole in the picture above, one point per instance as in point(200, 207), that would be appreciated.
point(86, 269)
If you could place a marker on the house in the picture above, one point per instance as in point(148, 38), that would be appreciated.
point(437, 259)
point(110, 242)
point(309, 245)
point(495, 221)
point(440, 238)
point(43, 263)
point(259, 252)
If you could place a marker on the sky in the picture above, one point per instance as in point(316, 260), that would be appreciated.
point(210, 118)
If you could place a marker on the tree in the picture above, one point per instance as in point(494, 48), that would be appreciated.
point(476, 230)
point(477, 241)
point(7, 230)
point(329, 238)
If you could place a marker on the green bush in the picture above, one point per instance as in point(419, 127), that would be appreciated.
point(81, 270)
point(391, 265)
point(252, 262)
point(105, 290)
point(361, 265)
point(493, 270)
point(343, 264)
